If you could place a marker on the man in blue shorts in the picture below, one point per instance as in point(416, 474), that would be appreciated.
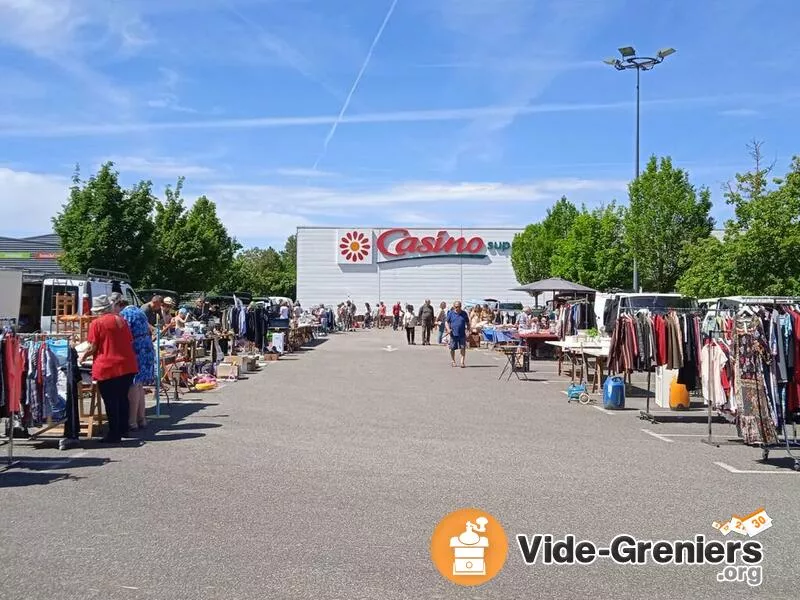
point(456, 323)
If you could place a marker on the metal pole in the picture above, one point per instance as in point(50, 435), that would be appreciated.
point(157, 387)
point(635, 262)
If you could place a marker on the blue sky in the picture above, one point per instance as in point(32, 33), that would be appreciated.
point(466, 112)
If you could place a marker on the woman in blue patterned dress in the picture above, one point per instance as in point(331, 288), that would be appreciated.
point(145, 354)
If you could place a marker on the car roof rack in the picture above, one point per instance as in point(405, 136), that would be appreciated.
point(107, 274)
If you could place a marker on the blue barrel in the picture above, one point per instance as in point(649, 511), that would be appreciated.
point(614, 393)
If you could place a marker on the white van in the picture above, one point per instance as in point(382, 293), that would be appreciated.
point(608, 307)
point(30, 297)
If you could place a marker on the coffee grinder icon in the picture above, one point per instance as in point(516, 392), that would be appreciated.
point(469, 549)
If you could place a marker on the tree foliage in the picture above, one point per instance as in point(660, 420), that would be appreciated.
point(533, 250)
point(103, 226)
point(164, 243)
point(760, 252)
point(593, 252)
point(194, 250)
point(265, 271)
point(665, 217)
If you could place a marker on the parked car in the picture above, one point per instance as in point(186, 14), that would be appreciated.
point(509, 311)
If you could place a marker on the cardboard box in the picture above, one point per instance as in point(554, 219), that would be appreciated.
point(269, 357)
point(227, 371)
point(242, 362)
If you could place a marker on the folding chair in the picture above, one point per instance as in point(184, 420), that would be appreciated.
point(517, 361)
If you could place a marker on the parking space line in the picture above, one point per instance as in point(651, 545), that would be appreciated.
point(603, 410)
point(658, 436)
point(731, 469)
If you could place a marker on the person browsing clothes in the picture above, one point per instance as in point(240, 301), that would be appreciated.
point(114, 365)
point(457, 323)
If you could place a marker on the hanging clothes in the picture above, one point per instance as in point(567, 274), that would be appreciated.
point(752, 354)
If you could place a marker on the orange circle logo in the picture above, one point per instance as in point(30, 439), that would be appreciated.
point(469, 547)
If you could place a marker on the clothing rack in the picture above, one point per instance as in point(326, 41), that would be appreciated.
point(646, 415)
point(767, 301)
point(35, 337)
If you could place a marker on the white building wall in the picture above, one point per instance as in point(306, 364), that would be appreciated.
point(322, 278)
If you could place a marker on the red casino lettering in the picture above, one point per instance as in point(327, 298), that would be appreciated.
point(441, 244)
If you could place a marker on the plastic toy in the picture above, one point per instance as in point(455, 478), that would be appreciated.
point(577, 392)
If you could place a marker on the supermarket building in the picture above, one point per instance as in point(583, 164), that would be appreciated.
point(371, 264)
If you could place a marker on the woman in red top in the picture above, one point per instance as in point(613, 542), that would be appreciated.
point(114, 366)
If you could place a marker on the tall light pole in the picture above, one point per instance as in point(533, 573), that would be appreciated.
point(630, 60)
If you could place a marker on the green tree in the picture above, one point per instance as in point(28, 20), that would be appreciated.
point(665, 216)
point(594, 251)
point(195, 251)
point(763, 241)
point(289, 257)
point(265, 271)
point(708, 271)
point(103, 226)
point(533, 249)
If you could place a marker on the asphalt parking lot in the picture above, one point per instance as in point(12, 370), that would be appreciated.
point(324, 475)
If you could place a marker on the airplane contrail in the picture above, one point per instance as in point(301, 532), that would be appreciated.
point(353, 88)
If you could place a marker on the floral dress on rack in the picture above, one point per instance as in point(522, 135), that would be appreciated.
point(142, 344)
point(752, 354)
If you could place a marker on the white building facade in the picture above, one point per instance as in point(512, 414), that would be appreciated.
point(371, 264)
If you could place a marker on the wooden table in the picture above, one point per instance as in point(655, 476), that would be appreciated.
point(600, 355)
point(534, 340)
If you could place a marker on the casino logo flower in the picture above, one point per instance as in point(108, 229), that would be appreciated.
point(354, 246)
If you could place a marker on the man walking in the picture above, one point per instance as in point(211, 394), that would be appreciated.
point(456, 324)
point(426, 317)
point(396, 310)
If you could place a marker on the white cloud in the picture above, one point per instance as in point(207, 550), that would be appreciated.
point(520, 33)
point(167, 97)
point(301, 172)
point(258, 226)
point(67, 32)
point(159, 167)
point(740, 112)
point(317, 200)
point(272, 212)
point(28, 200)
point(498, 112)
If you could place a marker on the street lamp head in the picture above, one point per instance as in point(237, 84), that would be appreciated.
point(627, 51)
point(665, 52)
point(611, 61)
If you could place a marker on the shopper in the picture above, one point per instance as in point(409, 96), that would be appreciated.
point(152, 310)
point(440, 319)
point(410, 324)
point(426, 317)
point(396, 311)
point(457, 324)
point(381, 315)
point(114, 365)
point(367, 316)
point(145, 357)
point(167, 310)
point(283, 312)
point(525, 319)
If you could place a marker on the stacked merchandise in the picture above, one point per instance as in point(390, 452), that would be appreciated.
point(643, 341)
point(750, 369)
